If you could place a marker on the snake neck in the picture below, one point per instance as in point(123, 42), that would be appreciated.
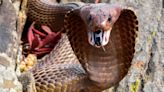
point(105, 67)
point(100, 64)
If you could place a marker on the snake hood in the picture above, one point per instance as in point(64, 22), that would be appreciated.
point(99, 19)
point(111, 27)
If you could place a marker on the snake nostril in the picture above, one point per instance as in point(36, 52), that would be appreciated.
point(97, 32)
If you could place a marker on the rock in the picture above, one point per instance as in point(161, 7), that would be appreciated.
point(147, 71)
point(8, 48)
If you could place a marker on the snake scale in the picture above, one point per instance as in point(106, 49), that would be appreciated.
point(95, 50)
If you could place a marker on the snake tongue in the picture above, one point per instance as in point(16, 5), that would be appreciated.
point(99, 38)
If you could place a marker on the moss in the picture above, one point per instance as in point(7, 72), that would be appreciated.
point(135, 86)
point(152, 35)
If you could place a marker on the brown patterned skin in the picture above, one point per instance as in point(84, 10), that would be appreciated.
point(104, 67)
point(48, 14)
point(61, 70)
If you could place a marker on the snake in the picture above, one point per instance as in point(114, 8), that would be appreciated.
point(96, 48)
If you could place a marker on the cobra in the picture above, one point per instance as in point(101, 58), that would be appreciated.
point(95, 50)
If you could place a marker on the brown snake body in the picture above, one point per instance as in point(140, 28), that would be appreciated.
point(75, 65)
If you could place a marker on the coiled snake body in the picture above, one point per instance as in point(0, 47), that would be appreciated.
point(96, 48)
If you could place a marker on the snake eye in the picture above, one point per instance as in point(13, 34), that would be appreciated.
point(109, 18)
point(89, 18)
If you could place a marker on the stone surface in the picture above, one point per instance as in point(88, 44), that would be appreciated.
point(147, 71)
point(8, 48)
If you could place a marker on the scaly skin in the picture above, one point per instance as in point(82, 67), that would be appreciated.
point(108, 65)
point(46, 14)
point(103, 66)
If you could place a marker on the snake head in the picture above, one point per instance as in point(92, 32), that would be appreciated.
point(99, 20)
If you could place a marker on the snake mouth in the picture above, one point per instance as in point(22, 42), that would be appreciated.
point(99, 38)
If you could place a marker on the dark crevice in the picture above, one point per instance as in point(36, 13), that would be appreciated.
point(142, 85)
point(151, 65)
point(150, 68)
